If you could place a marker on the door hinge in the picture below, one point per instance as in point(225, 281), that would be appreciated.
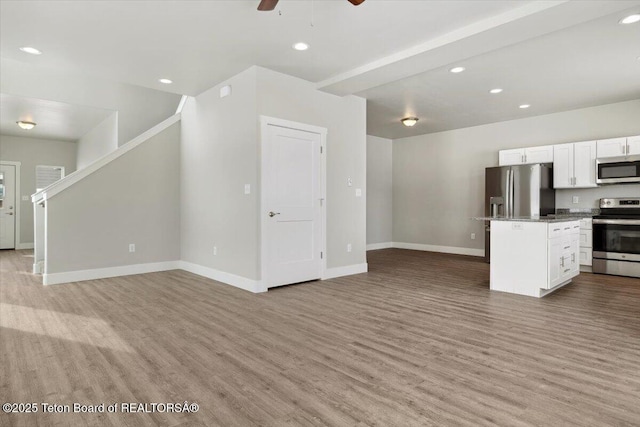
point(321, 255)
point(321, 149)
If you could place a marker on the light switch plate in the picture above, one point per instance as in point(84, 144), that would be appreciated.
point(576, 200)
point(349, 181)
point(247, 189)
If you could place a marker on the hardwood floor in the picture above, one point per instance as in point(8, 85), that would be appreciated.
point(417, 341)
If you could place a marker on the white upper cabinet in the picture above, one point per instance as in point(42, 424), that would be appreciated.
point(633, 145)
point(584, 164)
point(511, 157)
point(574, 165)
point(522, 156)
point(563, 166)
point(614, 147)
point(539, 154)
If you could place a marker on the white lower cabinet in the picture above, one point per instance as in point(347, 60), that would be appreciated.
point(564, 257)
point(533, 258)
point(586, 242)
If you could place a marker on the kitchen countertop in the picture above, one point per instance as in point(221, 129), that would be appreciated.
point(554, 218)
point(561, 215)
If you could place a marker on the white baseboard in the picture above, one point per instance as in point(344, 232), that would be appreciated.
point(376, 246)
point(38, 267)
point(103, 273)
point(347, 270)
point(21, 246)
point(250, 285)
point(436, 248)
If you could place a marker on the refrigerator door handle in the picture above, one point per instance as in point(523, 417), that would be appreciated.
point(511, 193)
point(507, 196)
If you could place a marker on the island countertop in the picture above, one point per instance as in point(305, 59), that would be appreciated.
point(549, 219)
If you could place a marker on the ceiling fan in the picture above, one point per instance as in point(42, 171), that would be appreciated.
point(267, 5)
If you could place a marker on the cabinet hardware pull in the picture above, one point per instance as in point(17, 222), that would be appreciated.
point(567, 247)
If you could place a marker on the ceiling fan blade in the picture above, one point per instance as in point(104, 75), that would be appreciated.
point(266, 5)
point(356, 2)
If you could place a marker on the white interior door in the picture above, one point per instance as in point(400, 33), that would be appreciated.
point(7, 207)
point(292, 205)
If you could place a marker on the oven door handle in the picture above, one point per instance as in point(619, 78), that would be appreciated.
point(617, 221)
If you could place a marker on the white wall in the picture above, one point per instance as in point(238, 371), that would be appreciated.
point(219, 155)
point(133, 199)
point(379, 190)
point(139, 109)
point(438, 179)
point(31, 152)
point(285, 97)
point(98, 142)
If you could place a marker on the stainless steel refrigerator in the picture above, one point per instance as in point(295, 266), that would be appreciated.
point(517, 191)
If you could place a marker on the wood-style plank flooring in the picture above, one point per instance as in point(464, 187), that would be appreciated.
point(418, 341)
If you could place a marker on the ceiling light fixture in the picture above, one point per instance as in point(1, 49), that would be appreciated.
point(631, 19)
point(523, 106)
point(409, 121)
point(301, 46)
point(457, 69)
point(496, 90)
point(31, 50)
point(26, 125)
point(165, 81)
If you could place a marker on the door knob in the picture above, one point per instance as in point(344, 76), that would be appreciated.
point(272, 214)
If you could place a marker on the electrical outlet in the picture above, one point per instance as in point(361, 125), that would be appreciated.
point(358, 192)
point(25, 198)
point(348, 247)
point(215, 250)
point(247, 189)
point(576, 200)
point(473, 236)
point(132, 247)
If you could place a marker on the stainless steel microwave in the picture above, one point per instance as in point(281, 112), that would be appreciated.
point(617, 170)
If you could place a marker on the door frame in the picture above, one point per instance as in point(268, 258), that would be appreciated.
point(265, 122)
point(16, 233)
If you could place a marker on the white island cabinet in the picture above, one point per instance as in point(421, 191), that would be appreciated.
point(533, 257)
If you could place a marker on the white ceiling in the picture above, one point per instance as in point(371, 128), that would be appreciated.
point(54, 120)
point(555, 55)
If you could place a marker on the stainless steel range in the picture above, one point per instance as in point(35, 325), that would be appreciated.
point(616, 237)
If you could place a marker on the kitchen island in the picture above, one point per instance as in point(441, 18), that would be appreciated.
point(533, 256)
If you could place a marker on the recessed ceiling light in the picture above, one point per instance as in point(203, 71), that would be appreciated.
point(457, 69)
point(31, 50)
point(523, 106)
point(301, 46)
point(165, 81)
point(409, 121)
point(631, 19)
point(496, 90)
point(26, 125)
